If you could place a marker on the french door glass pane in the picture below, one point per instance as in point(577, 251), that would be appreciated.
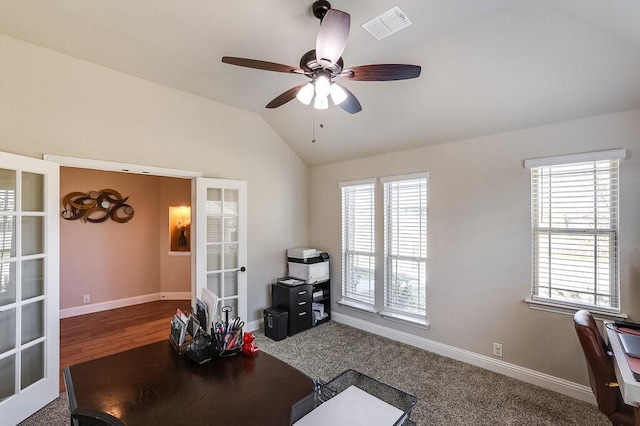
point(214, 229)
point(214, 201)
point(231, 229)
point(7, 330)
point(213, 283)
point(7, 377)
point(32, 278)
point(32, 321)
point(230, 202)
point(32, 365)
point(7, 236)
point(32, 235)
point(230, 284)
point(230, 256)
point(32, 192)
point(7, 190)
point(7, 283)
point(214, 258)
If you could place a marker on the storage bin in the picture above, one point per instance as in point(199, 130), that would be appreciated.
point(275, 323)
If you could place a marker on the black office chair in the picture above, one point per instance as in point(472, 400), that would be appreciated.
point(81, 417)
point(602, 376)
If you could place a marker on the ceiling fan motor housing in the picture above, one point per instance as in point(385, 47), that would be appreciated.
point(309, 63)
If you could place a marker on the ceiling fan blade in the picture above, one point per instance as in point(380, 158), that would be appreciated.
point(351, 104)
point(261, 65)
point(285, 97)
point(382, 72)
point(332, 37)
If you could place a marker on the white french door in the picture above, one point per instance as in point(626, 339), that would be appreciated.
point(29, 286)
point(221, 242)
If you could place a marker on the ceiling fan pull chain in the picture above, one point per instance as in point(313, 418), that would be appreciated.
point(313, 124)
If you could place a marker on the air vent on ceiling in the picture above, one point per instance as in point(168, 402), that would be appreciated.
point(389, 22)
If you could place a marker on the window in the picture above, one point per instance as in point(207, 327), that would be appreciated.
point(405, 247)
point(401, 256)
point(358, 243)
point(574, 202)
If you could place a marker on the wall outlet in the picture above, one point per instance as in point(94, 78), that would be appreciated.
point(497, 349)
point(87, 298)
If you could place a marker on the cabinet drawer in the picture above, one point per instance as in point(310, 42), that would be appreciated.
point(300, 294)
point(299, 321)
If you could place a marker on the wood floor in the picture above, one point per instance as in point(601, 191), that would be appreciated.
point(91, 336)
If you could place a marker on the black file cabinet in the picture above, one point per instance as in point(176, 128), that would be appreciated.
point(296, 301)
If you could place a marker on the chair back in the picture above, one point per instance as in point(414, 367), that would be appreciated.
point(80, 417)
point(599, 363)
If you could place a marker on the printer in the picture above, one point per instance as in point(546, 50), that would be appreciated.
point(309, 265)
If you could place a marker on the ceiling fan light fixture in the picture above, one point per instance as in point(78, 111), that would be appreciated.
point(323, 86)
point(338, 95)
point(321, 102)
point(306, 94)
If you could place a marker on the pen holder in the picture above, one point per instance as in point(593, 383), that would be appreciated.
point(226, 344)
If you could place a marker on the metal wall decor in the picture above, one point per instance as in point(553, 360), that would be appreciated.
point(96, 206)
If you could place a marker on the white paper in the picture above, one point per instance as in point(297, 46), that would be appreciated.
point(290, 282)
point(352, 407)
point(210, 300)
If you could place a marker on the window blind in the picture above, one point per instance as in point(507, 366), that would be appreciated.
point(575, 233)
point(405, 227)
point(358, 243)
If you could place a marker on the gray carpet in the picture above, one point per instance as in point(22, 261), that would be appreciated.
point(449, 392)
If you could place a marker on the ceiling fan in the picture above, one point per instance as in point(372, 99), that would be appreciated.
point(324, 64)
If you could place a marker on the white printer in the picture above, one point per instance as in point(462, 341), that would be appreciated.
point(309, 265)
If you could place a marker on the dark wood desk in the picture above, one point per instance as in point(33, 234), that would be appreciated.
point(152, 385)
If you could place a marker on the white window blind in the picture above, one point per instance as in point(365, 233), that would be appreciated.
point(358, 243)
point(575, 233)
point(405, 248)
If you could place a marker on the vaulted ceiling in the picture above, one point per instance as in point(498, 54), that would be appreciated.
point(488, 66)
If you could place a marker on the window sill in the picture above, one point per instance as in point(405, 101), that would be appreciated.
point(392, 316)
point(558, 308)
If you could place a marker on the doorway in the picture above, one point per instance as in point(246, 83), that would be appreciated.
point(107, 264)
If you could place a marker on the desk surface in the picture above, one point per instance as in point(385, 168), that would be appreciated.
point(152, 385)
point(629, 386)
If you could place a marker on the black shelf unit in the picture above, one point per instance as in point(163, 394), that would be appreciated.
point(321, 293)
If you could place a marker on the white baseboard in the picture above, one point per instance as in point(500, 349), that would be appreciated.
point(527, 375)
point(121, 303)
point(176, 295)
point(254, 325)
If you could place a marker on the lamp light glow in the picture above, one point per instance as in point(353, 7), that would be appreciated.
point(306, 94)
point(323, 86)
point(338, 95)
point(321, 102)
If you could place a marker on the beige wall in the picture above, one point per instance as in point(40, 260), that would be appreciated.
point(55, 104)
point(479, 237)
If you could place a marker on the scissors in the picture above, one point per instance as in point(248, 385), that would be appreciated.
point(237, 323)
